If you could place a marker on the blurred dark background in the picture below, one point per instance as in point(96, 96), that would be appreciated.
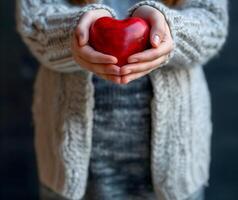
point(18, 170)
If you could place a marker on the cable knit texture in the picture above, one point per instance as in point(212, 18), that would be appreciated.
point(180, 108)
point(47, 26)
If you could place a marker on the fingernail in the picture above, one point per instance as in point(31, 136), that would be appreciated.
point(126, 72)
point(128, 81)
point(115, 61)
point(156, 39)
point(133, 60)
point(117, 71)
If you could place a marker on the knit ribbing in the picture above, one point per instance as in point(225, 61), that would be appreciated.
point(113, 96)
point(120, 157)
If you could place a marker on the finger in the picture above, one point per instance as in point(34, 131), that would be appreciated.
point(144, 66)
point(113, 78)
point(109, 69)
point(83, 26)
point(85, 22)
point(125, 79)
point(153, 53)
point(74, 43)
point(158, 29)
point(88, 53)
point(165, 47)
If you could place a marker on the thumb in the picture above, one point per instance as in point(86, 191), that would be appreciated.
point(82, 30)
point(157, 32)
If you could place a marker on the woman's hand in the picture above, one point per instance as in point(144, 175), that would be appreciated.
point(101, 64)
point(144, 62)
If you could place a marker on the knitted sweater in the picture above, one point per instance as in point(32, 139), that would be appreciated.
point(64, 96)
point(119, 167)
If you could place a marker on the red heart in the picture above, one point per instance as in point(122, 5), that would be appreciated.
point(119, 38)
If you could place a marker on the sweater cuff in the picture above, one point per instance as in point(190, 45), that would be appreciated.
point(165, 11)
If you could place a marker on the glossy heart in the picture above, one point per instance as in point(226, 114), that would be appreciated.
point(120, 38)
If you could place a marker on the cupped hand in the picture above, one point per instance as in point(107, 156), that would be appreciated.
point(101, 64)
point(143, 63)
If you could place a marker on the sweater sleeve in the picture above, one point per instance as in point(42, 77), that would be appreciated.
point(198, 28)
point(46, 27)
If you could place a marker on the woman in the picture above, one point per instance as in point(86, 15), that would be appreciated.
point(73, 101)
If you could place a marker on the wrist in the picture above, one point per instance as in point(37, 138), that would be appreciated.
point(105, 13)
point(147, 12)
point(94, 14)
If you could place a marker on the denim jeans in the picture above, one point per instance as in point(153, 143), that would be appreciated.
point(47, 194)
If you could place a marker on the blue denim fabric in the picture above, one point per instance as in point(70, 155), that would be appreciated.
point(47, 194)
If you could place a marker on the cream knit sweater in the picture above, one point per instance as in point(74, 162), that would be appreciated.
point(181, 110)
